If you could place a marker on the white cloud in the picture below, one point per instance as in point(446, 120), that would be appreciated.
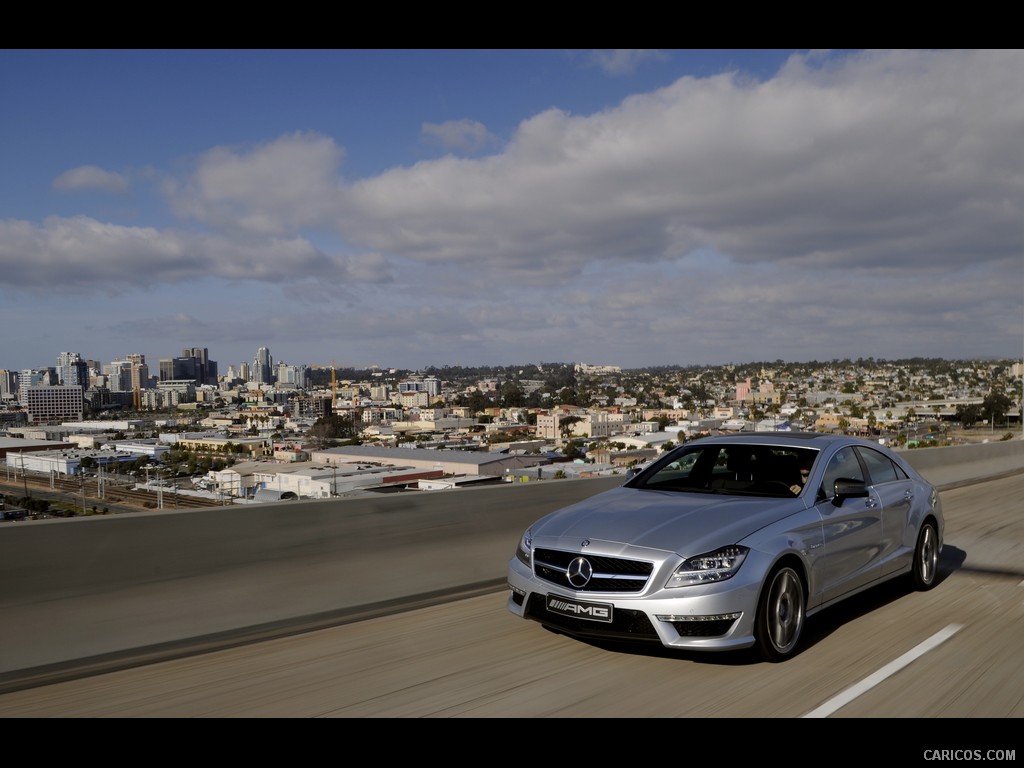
point(623, 61)
point(91, 177)
point(903, 160)
point(468, 136)
point(272, 189)
point(82, 253)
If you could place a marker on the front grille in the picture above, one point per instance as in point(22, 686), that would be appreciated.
point(625, 624)
point(611, 574)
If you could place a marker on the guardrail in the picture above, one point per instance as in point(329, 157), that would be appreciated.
point(109, 587)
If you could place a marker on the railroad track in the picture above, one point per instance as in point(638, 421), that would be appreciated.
point(112, 494)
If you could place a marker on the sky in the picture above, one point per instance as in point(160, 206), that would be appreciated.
point(412, 208)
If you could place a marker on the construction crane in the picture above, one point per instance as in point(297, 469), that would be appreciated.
point(334, 381)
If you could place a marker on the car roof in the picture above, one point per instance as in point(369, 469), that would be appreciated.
point(804, 439)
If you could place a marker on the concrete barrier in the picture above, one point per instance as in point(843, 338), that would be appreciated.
point(951, 466)
point(113, 587)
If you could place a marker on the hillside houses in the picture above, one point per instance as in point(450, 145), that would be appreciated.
point(389, 429)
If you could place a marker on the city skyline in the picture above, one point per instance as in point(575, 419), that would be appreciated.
point(248, 369)
point(413, 208)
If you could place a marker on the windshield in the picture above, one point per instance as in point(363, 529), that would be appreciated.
point(741, 469)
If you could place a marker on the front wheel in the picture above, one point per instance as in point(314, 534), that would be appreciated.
point(780, 614)
point(926, 558)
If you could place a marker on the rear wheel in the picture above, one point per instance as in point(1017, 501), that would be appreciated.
point(926, 558)
point(780, 614)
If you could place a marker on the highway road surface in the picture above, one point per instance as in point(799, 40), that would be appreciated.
point(956, 652)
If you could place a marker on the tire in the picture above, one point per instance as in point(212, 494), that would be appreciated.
point(926, 558)
point(780, 615)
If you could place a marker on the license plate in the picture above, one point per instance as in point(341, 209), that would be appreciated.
point(579, 609)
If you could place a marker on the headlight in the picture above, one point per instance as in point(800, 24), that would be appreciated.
point(524, 552)
point(714, 566)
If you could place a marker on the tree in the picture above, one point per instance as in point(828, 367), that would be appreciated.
point(478, 401)
point(968, 415)
point(573, 449)
point(535, 399)
point(328, 428)
point(512, 395)
point(565, 425)
point(568, 396)
point(995, 407)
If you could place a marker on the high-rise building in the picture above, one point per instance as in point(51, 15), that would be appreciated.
point(431, 385)
point(206, 369)
point(139, 371)
point(178, 369)
point(263, 367)
point(54, 404)
point(36, 377)
point(193, 364)
point(8, 385)
point(291, 374)
point(72, 370)
point(123, 374)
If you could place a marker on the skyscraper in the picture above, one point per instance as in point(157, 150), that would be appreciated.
point(206, 369)
point(139, 371)
point(35, 377)
point(72, 370)
point(263, 367)
point(8, 385)
point(194, 364)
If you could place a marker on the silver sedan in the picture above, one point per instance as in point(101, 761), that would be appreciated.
point(730, 542)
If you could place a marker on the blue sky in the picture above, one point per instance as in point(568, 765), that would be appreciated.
point(407, 208)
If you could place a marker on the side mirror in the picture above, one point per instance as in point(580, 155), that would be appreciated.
point(845, 488)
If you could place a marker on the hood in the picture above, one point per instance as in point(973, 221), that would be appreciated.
point(685, 523)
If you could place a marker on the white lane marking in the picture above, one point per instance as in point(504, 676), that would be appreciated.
point(888, 670)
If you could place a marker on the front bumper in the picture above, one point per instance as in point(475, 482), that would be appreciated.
point(712, 617)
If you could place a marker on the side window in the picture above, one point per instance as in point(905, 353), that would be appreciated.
point(880, 468)
point(843, 464)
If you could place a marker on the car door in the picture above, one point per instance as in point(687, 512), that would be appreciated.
point(852, 529)
point(896, 493)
